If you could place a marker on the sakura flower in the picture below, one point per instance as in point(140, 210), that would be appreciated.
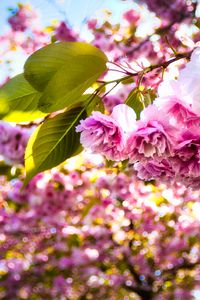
point(131, 16)
point(187, 159)
point(153, 137)
point(65, 34)
point(169, 10)
point(185, 90)
point(92, 23)
point(189, 81)
point(189, 182)
point(107, 135)
point(13, 141)
point(180, 98)
point(178, 111)
point(23, 18)
point(153, 169)
point(171, 101)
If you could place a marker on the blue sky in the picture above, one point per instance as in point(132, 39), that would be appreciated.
point(76, 11)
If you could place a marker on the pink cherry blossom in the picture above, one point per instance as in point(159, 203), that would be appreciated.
point(132, 17)
point(65, 34)
point(107, 134)
point(189, 81)
point(23, 18)
point(188, 154)
point(153, 137)
point(152, 169)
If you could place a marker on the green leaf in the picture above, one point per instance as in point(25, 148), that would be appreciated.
point(19, 100)
point(53, 142)
point(63, 71)
point(134, 100)
point(70, 82)
point(42, 65)
point(149, 96)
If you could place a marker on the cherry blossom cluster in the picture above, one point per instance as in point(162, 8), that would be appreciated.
point(170, 10)
point(124, 41)
point(93, 233)
point(64, 33)
point(28, 34)
point(23, 18)
point(165, 142)
point(13, 142)
point(24, 35)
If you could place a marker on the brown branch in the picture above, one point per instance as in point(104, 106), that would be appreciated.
point(162, 65)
